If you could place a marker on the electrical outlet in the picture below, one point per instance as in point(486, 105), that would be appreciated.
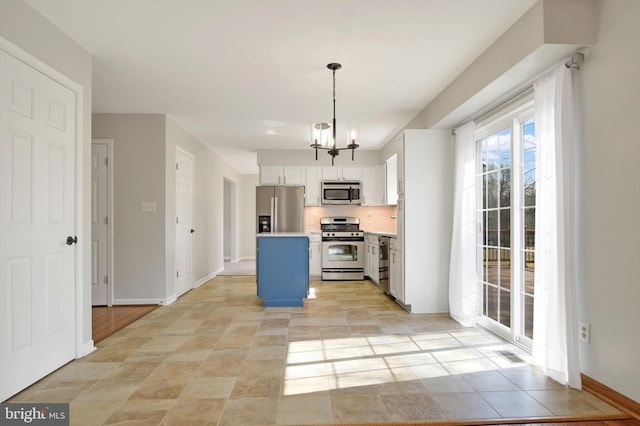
point(585, 332)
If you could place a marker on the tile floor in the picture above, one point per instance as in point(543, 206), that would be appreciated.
point(351, 355)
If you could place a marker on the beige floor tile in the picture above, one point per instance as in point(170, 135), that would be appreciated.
point(208, 388)
point(308, 386)
point(140, 412)
point(460, 406)
point(250, 412)
point(256, 387)
point(359, 409)
point(222, 367)
point(91, 413)
point(446, 384)
point(304, 410)
point(60, 391)
point(134, 369)
point(194, 412)
point(489, 381)
point(515, 404)
point(118, 389)
point(412, 407)
point(571, 402)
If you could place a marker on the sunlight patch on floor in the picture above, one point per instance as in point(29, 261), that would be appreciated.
point(326, 364)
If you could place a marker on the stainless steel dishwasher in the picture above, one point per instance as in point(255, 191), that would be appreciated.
point(383, 271)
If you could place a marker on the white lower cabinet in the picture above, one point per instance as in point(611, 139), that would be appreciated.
point(315, 255)
point(372, 259)
point(396, 283)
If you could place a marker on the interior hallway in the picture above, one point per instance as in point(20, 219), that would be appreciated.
point(351, 355)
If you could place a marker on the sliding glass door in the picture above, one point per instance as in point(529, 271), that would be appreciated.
point(505, 213)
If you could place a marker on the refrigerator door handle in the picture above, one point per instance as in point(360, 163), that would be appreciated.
point(275, 214)
point(271, 219)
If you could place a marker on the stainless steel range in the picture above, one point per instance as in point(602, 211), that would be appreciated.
point(342, 248)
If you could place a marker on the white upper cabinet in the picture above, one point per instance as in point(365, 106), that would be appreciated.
point(294, 175)
point(391, 178)
point(271, 175)
point(312, 187)
point(374, 185)
point(342, 173)
point(370, 197)
point(282, 175)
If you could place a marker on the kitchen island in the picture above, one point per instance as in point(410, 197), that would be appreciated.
point(282, 268)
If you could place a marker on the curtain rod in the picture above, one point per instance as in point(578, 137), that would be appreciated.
point(573, 62)
point(527, 91)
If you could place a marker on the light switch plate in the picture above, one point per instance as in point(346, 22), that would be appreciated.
point(148, 206)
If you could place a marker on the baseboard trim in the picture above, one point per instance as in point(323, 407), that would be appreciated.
point(615, 398)
point(138, 302)
point(204, 280)
point(85, 349)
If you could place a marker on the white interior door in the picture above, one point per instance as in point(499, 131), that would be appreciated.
point(37, 201)
point(184, 221)
point(100, 223)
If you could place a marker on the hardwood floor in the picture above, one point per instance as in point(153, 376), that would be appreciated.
point(107, 320)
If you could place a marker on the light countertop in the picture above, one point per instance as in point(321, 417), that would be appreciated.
point(283, 234)
point(383, 233)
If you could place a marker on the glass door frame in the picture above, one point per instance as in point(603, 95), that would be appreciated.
point(511, 117)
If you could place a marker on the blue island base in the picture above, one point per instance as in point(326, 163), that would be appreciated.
point(283, 270)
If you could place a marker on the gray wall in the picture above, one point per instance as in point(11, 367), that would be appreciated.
point(22, 26)
point(144, 148)
point(209, 196)
point(609, 200)
point(138, 175)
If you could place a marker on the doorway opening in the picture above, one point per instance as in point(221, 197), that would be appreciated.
point(229, 196)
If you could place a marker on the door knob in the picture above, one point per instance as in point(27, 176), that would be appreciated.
point(72, 240)
point(193, 230)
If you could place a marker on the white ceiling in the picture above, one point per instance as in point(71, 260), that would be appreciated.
point(246, 75)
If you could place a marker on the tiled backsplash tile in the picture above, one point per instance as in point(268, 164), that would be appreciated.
point(380, 218)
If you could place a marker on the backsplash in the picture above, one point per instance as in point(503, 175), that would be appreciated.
point(371, 218)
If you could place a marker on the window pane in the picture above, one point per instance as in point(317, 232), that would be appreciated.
point(491, 262)
point(505, 308)
point(492, 303)
point(505, 188)
point(484, 300)
point(485, 228)
point(492, 152)
point(485, 265)
point(529, 231)
point(505, 228)
point(492, 228)
point(505, 269)
point(529, 184)
point(492, 188)
point(529, 263)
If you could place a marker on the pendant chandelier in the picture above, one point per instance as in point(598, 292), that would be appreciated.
point(323, 135)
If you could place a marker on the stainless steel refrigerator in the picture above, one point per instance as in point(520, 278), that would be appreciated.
point(280, 208)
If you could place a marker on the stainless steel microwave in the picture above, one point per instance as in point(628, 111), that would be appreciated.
point(341, 192)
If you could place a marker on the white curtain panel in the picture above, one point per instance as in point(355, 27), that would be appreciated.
point(555, 333)
point(463, 287)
